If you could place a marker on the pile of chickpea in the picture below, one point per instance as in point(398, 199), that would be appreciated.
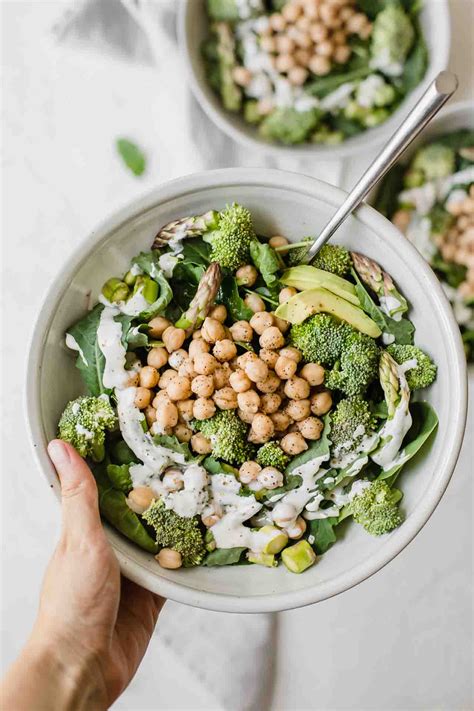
point(309, 36)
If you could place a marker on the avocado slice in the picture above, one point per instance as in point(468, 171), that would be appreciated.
point(307, 277)
point(313, 301)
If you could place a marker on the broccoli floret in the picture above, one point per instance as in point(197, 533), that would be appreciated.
point(229, 10)
point(228, 435)
point(272, 455)
point(392, 38)
point(320, 338)
point(376, 509)
point(231, 241)
point(435, 161)
point(83, 424)
point(420, 376)
point(357, 367)
point(181, 534)
point(351, 420)
point(289, 125)
point(296, 254)
point(333, 258)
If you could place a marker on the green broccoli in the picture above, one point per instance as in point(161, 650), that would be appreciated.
point(320, 338)
point(393, 35)
point(351, 420)
point(289, 125)
point(272, 455)
point(297, 251)
point(434, 161)
point(180, 534)
point(376, 509)
point(83, 424)
point(357, 366)
point(333, 258)
point(228, 435)
point(423, 374)
point(231, 241)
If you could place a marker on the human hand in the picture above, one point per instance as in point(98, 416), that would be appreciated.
point(93, 627)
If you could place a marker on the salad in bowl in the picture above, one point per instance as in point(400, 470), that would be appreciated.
point(240, 403)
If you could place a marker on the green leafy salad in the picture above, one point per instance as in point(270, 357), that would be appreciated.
point(242, 404)
point(431, 200)
point(316, 71)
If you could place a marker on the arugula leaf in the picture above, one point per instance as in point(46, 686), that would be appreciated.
point(322, 529)
point(425, 421)
point(119, 475)
point(223, 556)
point(386, 201)
point(131, 155)
point(317, 449)
point(91, 360)
point(229, 295)
point(172, 442)
point(267, 261)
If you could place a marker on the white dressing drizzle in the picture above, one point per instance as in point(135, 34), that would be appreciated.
point(191, 500)
point(230, 532)
point(74, 346)
point(109, 339)
point(394, 429)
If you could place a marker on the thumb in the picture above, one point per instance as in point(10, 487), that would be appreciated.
point(80, 506)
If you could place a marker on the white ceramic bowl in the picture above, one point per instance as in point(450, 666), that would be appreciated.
point(281, 203)
point(193, 29)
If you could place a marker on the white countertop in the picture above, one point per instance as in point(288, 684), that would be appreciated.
point(401, 640)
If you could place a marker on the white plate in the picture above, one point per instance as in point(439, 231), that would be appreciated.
point(281, 203)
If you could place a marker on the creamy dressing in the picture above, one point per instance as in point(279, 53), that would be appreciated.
point(424, 197)
point(109, 339)
point(339, 98)
point(387, 338)
point(75, 408)
point(136, 270)
point(394, 429)
point(455, 196)
point(464, 314)
point(391, 306)
point(419, 234)
point(74, 346)
point(229, 531)
point(191, 500)
point(346, 455)
point(383, 61)
point(245, 8)
point(135, 304)
point(83, 431)
point(367, 90)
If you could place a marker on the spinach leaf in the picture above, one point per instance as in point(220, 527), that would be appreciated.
point(131, 155)
point(229, 295)
point(292, 481)
point(188, 272)
point(196, 251)
point(115, 510)
point(441, 220)
point(172, 442)
point(213, 466)
point(425, 421)
point(324, 86)
point(402, 330)
point(348, 127)
point(322, 530)
point(317, 449)
point(415, 65)
point(453, 274)
point(267, 261)
point(224, 556)
point(380, 410)
point(132, 336)
point(386, 201)
point(91, 360)
point(119, 476)
point(122, 454)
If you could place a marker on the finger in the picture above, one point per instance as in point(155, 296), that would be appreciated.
point(80, 506)
point(137, 616)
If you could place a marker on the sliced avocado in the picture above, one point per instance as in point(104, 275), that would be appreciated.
point(313, 301)
point(307, 277)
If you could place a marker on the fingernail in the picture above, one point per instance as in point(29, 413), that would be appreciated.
point(58, 452)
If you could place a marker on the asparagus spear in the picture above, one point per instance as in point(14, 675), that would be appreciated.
point(230, 92)
point(392, 302)
point(191, 226)
point(394, 389)
point(203, 299)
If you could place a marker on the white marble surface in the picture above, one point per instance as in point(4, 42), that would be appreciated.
point(403, 639)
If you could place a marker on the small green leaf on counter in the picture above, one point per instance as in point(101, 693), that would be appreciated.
point(132, 155)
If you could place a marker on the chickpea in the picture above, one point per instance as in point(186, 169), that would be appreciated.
point(161, 396)
point(247, 357)
point(298, 409)
point(185, 410)
point(170, 559)
point(286, 294)
point(196, 334)
point(269, 357)
point(203, 408)
point(200, 444)
point(179, 388)
point(401, 219)
point(239, 381)
point(318, 32)
point(173, 338)
point(277, 22)
point(293, 443)
point(242, 76)
point(272, 338)
point(186, 369)
point(281, 421)
point(270, 477)
point(339, 37)
point(284, 44)
point(246, 275)
point(166, 377)
point(256, 370)
point(249, 471)
point(261, 321)
point(342, 53)
point(297, 76)
point(224, 350)
point(311, 427)
point(199, 345)
point(246, 416)
point(157, 357)
point(278, 241)
point(205, 364)
point(302, 39)
point(303, 23)
point(282, 324)
point(270, 403)
point(150, 415)
point(157, 326)
point(320, 65)
point(140, 498)
point(303, 56)
point(212, 330)
point(254, 303)
point(166, 416)
point(242, 331)
point(265, 106)
point(268, 44)
point(312, 10)
point(225, 398)
point(284, 514)
point(291, 352)
point(262, 427)
point(182, 432)
point(142, 398)
point(291, 12)
point(134, 380)
point(356, 23)
point(221, 376)
point(173, 479)
point(203, 385)
point(346, 12)
point(210, 520)
point(325, 48)
point(329, 15)
point(177, 358)
point(297, 388)
point(248, 401)
point(297, 529)
point(313, 373)
point(285, 367)
point(270, 384)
